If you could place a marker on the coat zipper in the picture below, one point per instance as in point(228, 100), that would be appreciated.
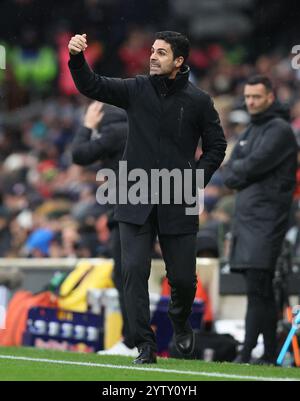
point(180, 120)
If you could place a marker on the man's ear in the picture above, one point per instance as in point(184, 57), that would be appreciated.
point(178, 62)
point(271, 97)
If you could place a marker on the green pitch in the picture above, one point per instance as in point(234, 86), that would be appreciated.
point(33, 364)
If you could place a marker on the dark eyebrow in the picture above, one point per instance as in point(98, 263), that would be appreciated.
point(161, 48)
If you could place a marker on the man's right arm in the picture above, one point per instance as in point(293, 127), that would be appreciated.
point(84, 150)
point(114, 91)
point(110, 139)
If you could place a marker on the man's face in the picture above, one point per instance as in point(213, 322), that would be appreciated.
point(257, 98)
point(162, 59)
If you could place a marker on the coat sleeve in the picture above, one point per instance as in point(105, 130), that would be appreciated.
point(231, 179)
point(115, 91)
point(275, 143)
point(213, 141)
point(86, 150)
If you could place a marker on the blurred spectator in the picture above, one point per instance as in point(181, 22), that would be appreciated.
point(38, 243)
point(134, 53)
point(34, 66)
point(5, 234)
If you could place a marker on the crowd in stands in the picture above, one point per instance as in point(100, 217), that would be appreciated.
point(48, 204)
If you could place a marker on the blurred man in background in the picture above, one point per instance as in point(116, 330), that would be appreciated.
point(262, 168)
point(102, 138)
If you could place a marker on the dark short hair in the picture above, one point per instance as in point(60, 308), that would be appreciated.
point(179, 43)
point(261, 79)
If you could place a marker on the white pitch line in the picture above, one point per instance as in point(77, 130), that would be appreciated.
point(182, 372)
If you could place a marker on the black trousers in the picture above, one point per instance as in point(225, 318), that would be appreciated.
point(117, 279)
point(179, 253)
point(261, 316)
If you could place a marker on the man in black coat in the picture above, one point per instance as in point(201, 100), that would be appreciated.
point(167, 116)
point(262, 168)
point(102, 137)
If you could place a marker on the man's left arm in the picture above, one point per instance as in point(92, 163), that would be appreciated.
point(213, 142)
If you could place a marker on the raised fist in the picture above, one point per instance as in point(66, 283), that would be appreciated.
point(77, 44)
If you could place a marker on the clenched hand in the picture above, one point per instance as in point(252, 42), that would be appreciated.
point(77, 44)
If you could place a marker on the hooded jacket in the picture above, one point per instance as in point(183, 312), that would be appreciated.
point(262, 168)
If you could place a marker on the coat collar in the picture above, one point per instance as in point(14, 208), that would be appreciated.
point(275, 110)
point(163, 84)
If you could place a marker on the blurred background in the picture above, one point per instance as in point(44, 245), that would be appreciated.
point(47, 204)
